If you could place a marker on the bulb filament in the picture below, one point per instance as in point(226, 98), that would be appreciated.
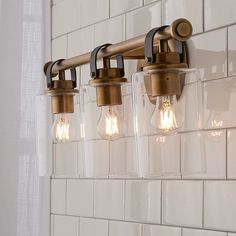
point(111, 123)
point(62, 130)
point(167, 116)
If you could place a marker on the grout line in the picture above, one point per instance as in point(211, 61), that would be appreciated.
point(203, 15)
point(227, 51)
point(203, 203)
point(66, 193)
point(147, 223)
point(226, 154)
point(161, 204)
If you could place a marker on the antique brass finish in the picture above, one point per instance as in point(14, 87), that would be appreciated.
point(61, 91)
point(162, 84)
point(107, 80)
point(163, 66)
point(180, 30)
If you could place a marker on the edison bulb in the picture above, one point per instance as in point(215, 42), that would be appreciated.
point(110, 124)
point(61, 129)
point(166, 117)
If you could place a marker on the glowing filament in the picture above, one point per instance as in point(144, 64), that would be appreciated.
point(111, 123)
point(167, 118)
point(62, 130)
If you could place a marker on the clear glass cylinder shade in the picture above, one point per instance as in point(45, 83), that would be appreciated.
point(107, 132)
point(161, 121)
point(55, 131)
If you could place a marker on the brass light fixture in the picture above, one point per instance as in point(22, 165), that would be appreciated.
point(164, 81)
point(108, 81)
point(62, 93)
point(165, 52)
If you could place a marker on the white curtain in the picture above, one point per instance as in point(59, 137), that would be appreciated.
point(24, 47)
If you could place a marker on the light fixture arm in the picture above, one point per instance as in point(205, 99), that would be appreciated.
point(180, 30)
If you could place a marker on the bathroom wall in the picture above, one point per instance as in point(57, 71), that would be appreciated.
point(202, 204)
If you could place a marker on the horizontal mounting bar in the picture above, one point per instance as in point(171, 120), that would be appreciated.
point(180, 29)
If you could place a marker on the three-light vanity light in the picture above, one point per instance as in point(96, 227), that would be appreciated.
point(162, 58)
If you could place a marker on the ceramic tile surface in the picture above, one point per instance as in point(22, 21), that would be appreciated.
point(58, 196)
point(153, 230)
point(79, 199)
point(208, 160)
point(220, 208)
point(232, 50)
point(66, 225)
point(195, 232)
point(134, 20)
point(180, 199)
point(219, 13)
point(109, 199)
point(147, 196)
point(231, 157)
point(117, 228)
point(189, 9)
point(208, 54)
point(93, 227)
point(118, 7)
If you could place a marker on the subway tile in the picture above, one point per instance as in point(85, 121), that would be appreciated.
point(204, 154)
point(58, 196)
point(149, 1)
point(66, 225)
point(122, 6)
point(92, 11)
point(135, 25)
point(220, 103)
point(156, 230)
point(196, 232)
point(85, 74)
point(232, 50)
point(110, 31)
point(109, 199)
point(123, 157)
point(121, 228)
point(219, 205)
point(59, 48)
point(190, 102)
point(96, 158)
point(65, 160)
point(192, 10)
point(218, 13)
point(81, 41)
point(60, 24)
point(231, 150)
point(143, 201)
point(163, 160)
point(207, 52)
point(182, 203)
point(93, 227)
point(79, 197)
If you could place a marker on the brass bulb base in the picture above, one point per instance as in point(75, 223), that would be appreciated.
point(62, 104)
point(62, 96)
point(109, 95)
point(163, 77)
point(108, 86)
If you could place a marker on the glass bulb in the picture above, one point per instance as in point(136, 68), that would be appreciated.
point(110, 123)
point(167, 117)
point(61, 129)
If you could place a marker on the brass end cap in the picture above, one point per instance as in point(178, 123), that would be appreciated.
point(181, 29)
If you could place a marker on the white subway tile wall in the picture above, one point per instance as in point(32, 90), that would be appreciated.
point(199, 196)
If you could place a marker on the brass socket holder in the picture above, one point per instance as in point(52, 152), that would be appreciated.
point(107, 80)
point(61, 91)
point(164, 77)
